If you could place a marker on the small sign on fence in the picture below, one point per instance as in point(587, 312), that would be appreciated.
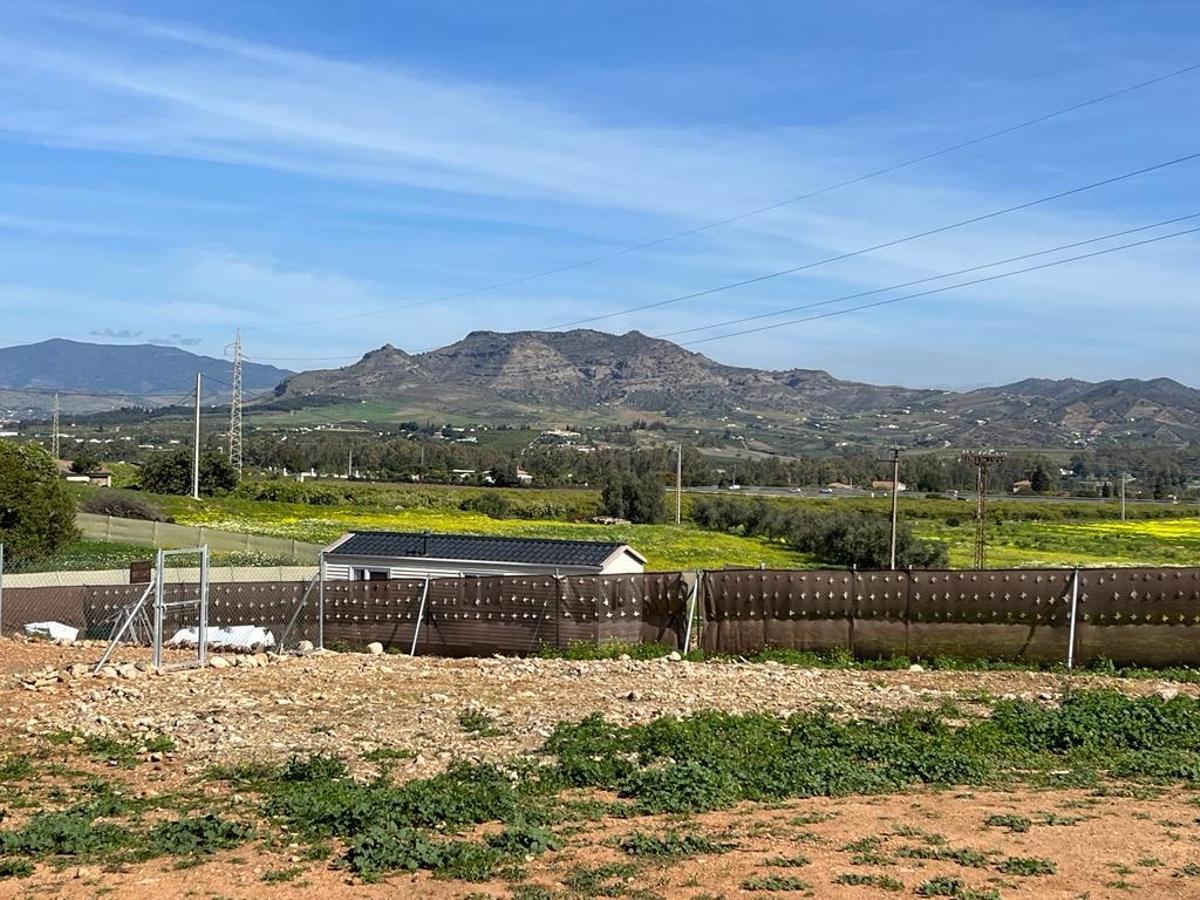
point(139, 571)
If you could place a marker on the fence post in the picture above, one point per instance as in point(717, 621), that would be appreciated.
point(1074, 612)
point(321, 602)
point(558, 598)
point(159, 610)
point(853, 610)
point(690, 613)
point(1, 590)
point(202, 625)
point(420, 617)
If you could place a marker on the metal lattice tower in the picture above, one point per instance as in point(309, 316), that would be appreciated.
point(982, 460)
point(55, 450)
point(235, 407)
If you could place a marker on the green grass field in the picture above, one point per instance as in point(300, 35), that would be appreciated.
point(1027, 535)
point(91, 555)
point(664, 546)
point(1148, 542)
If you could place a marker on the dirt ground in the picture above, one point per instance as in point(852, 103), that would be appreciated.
point(1127, 844)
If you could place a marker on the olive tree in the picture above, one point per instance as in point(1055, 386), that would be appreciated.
point(37, 511)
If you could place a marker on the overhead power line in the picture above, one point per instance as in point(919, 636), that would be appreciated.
point(907, 284)
point(951, 287)
point(759, 210)
point(534, 370)
point(895, 242)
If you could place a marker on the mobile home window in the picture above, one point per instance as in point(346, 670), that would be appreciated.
point(374, 574)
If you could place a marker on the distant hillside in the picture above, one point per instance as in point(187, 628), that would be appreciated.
point(139, 373)
point(547, 376)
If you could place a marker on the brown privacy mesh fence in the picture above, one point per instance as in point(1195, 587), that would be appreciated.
point(1132, 616)
point(519, 614)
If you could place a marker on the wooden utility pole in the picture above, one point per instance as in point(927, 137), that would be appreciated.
point(981, 459)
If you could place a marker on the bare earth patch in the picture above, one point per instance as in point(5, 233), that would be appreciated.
point(418, 712)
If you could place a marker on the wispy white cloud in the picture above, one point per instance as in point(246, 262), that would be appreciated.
point(490, 156)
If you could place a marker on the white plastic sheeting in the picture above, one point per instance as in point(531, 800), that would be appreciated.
point(237, 636)
point(56, 631)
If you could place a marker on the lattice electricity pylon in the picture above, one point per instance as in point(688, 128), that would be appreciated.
point(235, 407)
point(982, 460)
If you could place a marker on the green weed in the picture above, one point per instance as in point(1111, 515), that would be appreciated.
point(478, 723)
point(281, 876)
point(787, 862)
point(858, 879)
point(386, 754)
point(670, 845)
point(1018, 824)
point(714, 759)
point(605, 880)
point(949, 886)
point(16, 768)
point(972, 859)
point(1027, 866)
point(202, 834)
point(777, 883)
point(15, 868)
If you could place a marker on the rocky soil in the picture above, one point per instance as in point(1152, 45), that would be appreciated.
point(268, 706)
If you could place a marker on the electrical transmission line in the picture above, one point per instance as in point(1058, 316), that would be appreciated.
point(746, 214)
point(906, 284)
point(895, 242)
point(949, 287)
point(534, 370)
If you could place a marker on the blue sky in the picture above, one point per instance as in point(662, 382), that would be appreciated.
point(173, 171)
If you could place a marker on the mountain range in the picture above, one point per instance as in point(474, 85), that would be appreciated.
point(586, 375)
point(592, 377)
point(93, 377)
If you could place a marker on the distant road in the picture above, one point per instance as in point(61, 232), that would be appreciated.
point(760, 491)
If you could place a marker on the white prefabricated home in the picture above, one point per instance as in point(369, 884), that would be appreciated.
point(382, 555)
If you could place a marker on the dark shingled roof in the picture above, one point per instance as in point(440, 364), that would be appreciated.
point(532, 551)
